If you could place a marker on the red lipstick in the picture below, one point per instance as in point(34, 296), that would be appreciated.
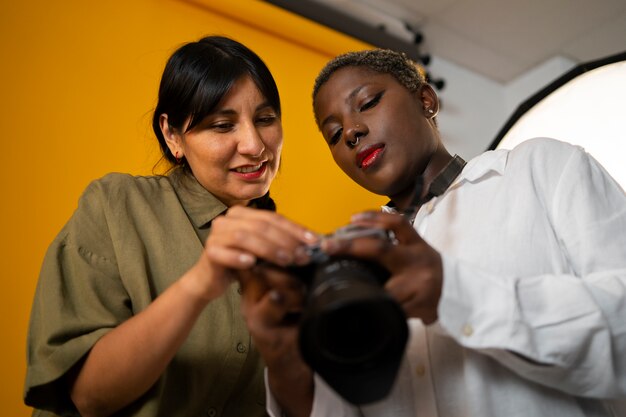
point(250, 172)
point(369, 155)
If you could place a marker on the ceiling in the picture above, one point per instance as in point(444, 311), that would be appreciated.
point(500, 39)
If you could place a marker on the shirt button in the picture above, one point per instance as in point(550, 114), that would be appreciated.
point(420, 370)
point(211, 412)
point(241, 348)
point(468, 330)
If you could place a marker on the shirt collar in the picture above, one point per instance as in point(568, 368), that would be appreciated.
point(474, 170)
point(444, 180)
point(490, 161)
point(200, 205)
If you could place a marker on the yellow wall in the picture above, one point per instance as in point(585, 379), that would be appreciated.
point(78, 80)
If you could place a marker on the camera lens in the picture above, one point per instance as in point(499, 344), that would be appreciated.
point(345, 334)
point(352, 333)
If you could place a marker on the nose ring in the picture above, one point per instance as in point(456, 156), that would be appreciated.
point(354, 142)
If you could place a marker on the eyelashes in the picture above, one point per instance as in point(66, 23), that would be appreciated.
point(369, 104)
point(335, 137)
point(224, 126)
point(372, 103)
point(266, 120)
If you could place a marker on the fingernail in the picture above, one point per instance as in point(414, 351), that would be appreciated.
point(283, 257)
point(330, 246)
point(276, 297)
point(310, 236)
point(300, 256)
point(247, 259)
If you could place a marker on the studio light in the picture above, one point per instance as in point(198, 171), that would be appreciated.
point(586, 106)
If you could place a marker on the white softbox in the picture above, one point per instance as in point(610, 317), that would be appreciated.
point(585, 106)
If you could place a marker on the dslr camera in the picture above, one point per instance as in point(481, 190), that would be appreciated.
point(352, 333)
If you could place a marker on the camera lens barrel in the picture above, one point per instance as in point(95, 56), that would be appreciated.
point(353, 334)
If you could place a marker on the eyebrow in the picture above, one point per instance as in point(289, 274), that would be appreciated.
point(351, 96)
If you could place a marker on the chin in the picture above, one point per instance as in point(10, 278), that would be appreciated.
point(381, 184)
point(257, 192)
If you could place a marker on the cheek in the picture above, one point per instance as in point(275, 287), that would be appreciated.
point(273, 139)
point(276, 143)
point(212, 152)
point(397, 120)
point(343, 160)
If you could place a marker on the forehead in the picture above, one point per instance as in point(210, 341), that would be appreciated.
point(344, 83)
point(350, 75)
point(243, 88)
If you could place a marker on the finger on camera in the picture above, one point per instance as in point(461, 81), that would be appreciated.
point(285, 289)
point(398, 224)
point(266, 245)
point(246, 232)
point(270, 245)
point(426, 312)
point(269, 296)
point(273, 220)
point(230, 258)
point(365, 247)
point(261, 315)
point(280, 278)
point(400, 289)
point(415, 290)
point(424, 279)
point(229, 229)
point(253, 286)
point(271, 309)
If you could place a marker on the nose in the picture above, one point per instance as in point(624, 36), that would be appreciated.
point(250, 142)
point(354, 133)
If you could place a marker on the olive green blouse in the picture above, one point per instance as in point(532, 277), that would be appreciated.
point(128, 240)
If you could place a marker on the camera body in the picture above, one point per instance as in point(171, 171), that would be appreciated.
point(352, 333)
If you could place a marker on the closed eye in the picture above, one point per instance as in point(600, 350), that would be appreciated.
point(372, 103)
point(266, 120)
point(222, 126)
point(335, 137)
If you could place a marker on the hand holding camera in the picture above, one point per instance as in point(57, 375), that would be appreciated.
point(359, 286)
point(352, 332)
point(415, 266)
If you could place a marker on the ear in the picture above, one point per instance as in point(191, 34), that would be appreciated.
point(172, 139)
point(430, 101)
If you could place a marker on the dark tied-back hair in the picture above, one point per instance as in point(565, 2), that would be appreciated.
point(198, 75)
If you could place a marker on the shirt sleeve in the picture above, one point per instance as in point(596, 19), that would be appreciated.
point(79, 298)
point(566, 331)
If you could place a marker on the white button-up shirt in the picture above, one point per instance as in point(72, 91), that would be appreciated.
point(532, 316)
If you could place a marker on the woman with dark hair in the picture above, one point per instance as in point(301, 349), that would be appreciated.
point(134, 313)
point(510, 269)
